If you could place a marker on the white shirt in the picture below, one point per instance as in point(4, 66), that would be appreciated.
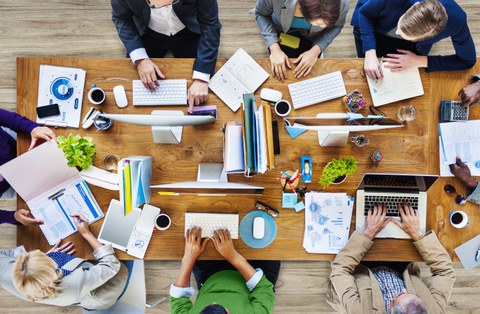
point(165, 21)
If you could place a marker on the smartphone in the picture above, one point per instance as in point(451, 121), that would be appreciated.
point(48, 111)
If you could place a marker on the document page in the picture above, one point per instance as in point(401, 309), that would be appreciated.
point(228, 88)
point(460, 139)
point(57, 206)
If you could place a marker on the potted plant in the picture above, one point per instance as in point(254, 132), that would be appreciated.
point(336, 171)
point(78, 150)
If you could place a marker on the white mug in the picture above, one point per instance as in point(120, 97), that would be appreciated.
point(459, 219)
point(96, 95)
point(162, 222)
point(282, 108)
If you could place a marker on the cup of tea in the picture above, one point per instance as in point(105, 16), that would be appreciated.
point(282, 108)
point(96, 95)
point(459, 219)
point(162, 222)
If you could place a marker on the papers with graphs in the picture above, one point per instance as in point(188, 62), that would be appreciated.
point(327, 222)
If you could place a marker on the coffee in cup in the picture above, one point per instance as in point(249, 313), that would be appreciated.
point(162, 222)
point(458, 219)
point(96, 95)
point(282, 108)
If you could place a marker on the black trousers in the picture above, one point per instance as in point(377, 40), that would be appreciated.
point(305, 44)
point(182, 45)
point(202, 270)
point(385, 44)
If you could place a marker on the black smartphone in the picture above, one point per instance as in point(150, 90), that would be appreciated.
point(48, 111)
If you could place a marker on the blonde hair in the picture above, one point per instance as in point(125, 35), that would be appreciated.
point(35, 274)
point(424, 20)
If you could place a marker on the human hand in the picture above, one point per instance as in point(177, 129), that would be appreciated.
point(194, 246)
point(67, 248)
point(21, 216)
point(41, 133)
point(405, 59)
point(197, 94)
point(410, 221)
point(81, 222)
point(461, 171)
point(376, 221)
point(372, 66)
point(224, 244)
point(470, 94)
point(149, 73)
point(306, 61)
point(279, 62)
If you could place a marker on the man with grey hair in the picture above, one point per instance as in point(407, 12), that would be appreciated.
point(395, 288)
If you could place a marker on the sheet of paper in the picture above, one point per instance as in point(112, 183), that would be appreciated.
point(228, 88)
point(57, 206)
point(395, 86)
point(467, 251)
point(445, 169)
point(234, 158)
point(63, 86)
point(261, 141)
point(460, 139)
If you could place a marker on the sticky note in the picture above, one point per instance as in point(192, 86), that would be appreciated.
point(299, 206)
point(289, 200)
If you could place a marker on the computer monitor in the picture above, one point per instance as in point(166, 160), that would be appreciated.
point(167, 125)
point(211, 181)
point(333, 128)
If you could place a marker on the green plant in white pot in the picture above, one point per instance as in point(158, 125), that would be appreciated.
point(79, 151)
point(337, 170)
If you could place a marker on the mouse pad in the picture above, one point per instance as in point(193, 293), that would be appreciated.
point(246, 229)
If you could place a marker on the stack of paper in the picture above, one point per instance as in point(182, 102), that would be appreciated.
point(327, 222)
point(135, 174)
point(459, 139)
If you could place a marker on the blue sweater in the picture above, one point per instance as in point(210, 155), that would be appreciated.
point(381, 16)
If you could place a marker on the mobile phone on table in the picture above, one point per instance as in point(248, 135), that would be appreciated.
point(48, 111)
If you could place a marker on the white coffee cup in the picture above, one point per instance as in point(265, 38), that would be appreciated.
point(162, 222)
point(459, 219)
point(96, 95)
point(282, 108)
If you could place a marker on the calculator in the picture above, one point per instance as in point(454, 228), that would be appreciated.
point(451, 110)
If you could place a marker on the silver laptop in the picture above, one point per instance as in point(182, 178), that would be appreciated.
point(392, 189)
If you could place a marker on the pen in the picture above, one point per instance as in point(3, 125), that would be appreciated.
point(77, 218)
point(477, 256)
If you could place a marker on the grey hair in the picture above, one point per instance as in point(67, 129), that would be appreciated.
point(416, 306)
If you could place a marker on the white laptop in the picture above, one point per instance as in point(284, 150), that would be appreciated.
point(392, 189)
point(132, 233)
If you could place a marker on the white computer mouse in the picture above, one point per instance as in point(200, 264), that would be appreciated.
point(120, 96)
point(270, 95)
point(258, 228)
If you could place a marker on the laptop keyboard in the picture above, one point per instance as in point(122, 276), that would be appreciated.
point(391, 202)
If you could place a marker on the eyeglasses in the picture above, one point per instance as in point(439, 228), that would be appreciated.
point(450, 189)
point(162, 6)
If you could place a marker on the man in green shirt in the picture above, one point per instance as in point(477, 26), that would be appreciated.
point(243, 290)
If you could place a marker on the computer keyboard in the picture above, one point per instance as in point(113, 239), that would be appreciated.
point(169, 92)
point(317, 89)
point(391, 202)
point(210, 222)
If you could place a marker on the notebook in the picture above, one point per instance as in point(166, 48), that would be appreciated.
point(395, 86)
point(241, 74)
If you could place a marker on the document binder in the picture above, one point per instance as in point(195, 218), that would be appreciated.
point(135, 176)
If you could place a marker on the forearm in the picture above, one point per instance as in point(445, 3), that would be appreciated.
point(243, 266)
point(183, 278)
point(92, 241)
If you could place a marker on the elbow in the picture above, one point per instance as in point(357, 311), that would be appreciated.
point(470, 63)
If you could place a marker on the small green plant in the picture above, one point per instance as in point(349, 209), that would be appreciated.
point(336, 169)
point(78, 150)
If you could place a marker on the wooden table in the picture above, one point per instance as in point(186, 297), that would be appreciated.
point(413, 149)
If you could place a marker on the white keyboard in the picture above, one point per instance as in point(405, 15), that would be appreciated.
point(317, 89)
point(210, 222)
point(169, 92)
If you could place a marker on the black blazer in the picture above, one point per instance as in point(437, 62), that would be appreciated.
point(131, 18)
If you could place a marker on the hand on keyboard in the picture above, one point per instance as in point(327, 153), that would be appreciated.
point(410, 221)
point(376, 221)
point(224, 244)
point(306, 61)
point(194, 246)
point(197, 94)
point(149, 73)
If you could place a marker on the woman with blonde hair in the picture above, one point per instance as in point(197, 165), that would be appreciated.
point(59, 278)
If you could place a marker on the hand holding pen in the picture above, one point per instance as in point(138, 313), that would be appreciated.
point(81, 222)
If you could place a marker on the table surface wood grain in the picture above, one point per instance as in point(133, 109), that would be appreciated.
point(412, 149)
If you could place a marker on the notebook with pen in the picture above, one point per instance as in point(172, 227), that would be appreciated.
point(53, 191)
point(135, 176)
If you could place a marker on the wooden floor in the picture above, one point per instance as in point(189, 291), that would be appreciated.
point(84, 29)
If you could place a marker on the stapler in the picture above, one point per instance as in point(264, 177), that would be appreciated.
point(90, 117)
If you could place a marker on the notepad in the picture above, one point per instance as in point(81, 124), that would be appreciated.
point(240, 75)
point(395, 86)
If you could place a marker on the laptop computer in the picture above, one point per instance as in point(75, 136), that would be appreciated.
point(391, 189)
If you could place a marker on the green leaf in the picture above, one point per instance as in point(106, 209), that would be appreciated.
point(79, 151)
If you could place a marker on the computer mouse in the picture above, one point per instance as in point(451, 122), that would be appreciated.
point(270, 95)
point(258, 228)
point(120, 96)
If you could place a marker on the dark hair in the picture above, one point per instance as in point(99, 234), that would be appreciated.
point(214, 309)
point(327, 10)
point(424, 20)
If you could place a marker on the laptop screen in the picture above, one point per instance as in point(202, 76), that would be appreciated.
point(397, 181)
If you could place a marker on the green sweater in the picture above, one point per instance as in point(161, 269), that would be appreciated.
point(228, 288)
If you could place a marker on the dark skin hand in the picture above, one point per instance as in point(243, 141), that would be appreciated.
point(461, 171)
point(470, 94)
